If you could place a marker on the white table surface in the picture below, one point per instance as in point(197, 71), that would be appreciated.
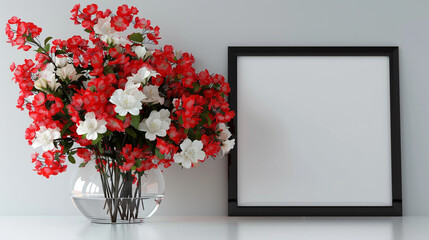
point(204, 228)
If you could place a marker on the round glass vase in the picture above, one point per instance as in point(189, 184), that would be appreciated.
point(115, 197)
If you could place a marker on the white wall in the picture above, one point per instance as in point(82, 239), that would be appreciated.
point(206, 28)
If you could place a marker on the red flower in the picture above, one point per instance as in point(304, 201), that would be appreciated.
point(12, 67)
point(165, 148)
point(75, 12)
point(196, 101)
point(90, 9)
point(39, 99)
point(142, 23)
point(120, 23)
point(85, 154)
point(176, 135)
point(49, 157)
point(114, 124)
point(225, 88)
point(205, 78)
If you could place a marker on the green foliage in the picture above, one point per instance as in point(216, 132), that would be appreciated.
point(100, 148)
point(197, 135)
point(135, 121)
point(158, 154)
point(206, 117)
point(94, 142)
point(47, 47)
point(47, 40)
point(136, 37)
point(83, 164)
point(66, 126)
point(72, 159)
point(67, 145)
point(122, 118)
point(131, 132)
point(197, 87)
point(57, 156)
point(108, 70)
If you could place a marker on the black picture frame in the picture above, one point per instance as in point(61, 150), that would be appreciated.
point(394, 210)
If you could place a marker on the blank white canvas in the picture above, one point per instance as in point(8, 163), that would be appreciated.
point(313, 131)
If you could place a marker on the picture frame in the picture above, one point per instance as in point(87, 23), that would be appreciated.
point(317, 131)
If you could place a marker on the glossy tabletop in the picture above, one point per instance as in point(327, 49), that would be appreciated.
point(158, 227)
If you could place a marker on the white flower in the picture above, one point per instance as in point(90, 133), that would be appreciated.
point(108, 34)
point(224, 136)
point(177, 101)
point(104, 27)
point(49, 70)
point(45, 137)
point(47, 79)
point(115, 40)
point(47, 82)
point(61, 61)
point(191, 153)
point(122, 41)
point(224, 132)
point(128, 100)
point(142, 76)
point(91, 126)
point(68, 71)
point(227, 145)
point(152, 95)
point(156, 125)
point(140, 51)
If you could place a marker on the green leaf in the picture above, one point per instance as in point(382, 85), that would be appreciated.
point(100, 148)
point(66, 126)
point(39, 50)
point(67, 146)
point(158, 154)
point(28, 38)
point(141, 141)
point(118, 145)
point(206, 116)
point(107, 70)
point(197, 135)
point(72, 159)
point(131, 132)
point(47, 47)
point(135, 121)
point(209, 121)
point(88, 30)
point(122, 118)
point(136, 37)
point(94, 142)
point(186, 131)
point(197, 87)
point(47, 40)
point(92, 88)
point(83, 164)
point(181, 120)
point(57, 156)
point(60, 52)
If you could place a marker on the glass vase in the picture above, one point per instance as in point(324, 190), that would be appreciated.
point(112, 196)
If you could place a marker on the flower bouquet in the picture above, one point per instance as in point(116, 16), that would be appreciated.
point(113, 101)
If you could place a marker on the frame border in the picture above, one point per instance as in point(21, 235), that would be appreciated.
point(395, 210)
